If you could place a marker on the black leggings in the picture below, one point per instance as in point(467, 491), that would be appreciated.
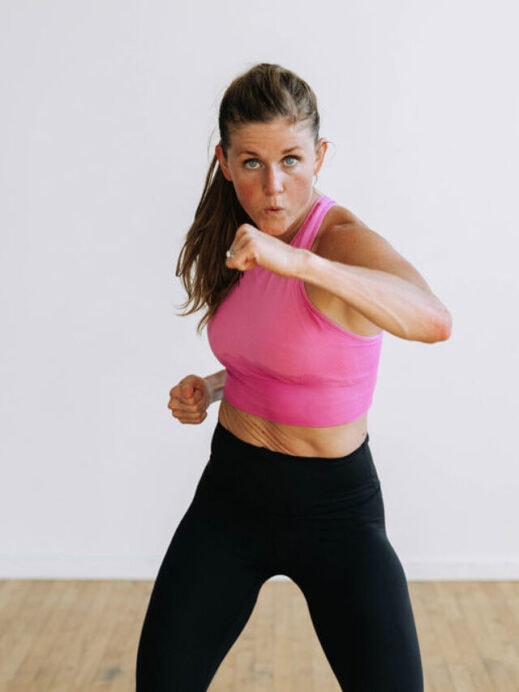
point(258, 513)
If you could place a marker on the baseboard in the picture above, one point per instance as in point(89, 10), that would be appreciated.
point(506, 570)
point(145, 568)
point(79, 567)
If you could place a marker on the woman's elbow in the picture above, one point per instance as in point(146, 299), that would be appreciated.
point(439, 326)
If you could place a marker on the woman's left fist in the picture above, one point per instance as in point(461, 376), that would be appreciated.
point(254, 248)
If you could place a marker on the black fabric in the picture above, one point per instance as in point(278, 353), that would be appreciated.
point(256, 514)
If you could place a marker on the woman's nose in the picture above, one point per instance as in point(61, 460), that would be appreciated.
point(273, 182)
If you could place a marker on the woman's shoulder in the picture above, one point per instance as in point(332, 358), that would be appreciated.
point(339, 215)
point(345, 237)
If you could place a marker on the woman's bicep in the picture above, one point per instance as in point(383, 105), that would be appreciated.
point(357, 245)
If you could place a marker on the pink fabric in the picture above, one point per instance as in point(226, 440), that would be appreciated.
point(286, 361)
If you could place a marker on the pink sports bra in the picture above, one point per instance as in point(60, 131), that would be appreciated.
point(286, 361)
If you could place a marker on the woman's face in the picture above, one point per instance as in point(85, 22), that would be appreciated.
point(272, 167)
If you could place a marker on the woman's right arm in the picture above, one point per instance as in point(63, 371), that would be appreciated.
point(192, 396)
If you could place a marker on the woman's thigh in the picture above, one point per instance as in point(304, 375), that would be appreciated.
point(359, 603)
point(204, 594)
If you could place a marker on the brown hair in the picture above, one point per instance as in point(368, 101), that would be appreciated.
point(262, 94)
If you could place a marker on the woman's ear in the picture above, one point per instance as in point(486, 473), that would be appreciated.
point(219, 153)
point(320, 152)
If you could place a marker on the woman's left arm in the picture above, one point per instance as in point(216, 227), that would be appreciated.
point(361, 268)
point(354, 264)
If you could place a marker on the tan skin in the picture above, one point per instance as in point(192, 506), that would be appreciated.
point(351, 274)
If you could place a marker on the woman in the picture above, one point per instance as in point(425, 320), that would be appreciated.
point(297, 292)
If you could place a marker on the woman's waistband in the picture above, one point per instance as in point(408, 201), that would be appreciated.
point(283, 482)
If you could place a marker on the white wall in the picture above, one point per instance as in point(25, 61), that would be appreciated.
point(106, 113)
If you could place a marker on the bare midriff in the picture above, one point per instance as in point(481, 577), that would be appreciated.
point(329, 442)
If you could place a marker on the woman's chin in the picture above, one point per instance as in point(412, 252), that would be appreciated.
point(273, 229)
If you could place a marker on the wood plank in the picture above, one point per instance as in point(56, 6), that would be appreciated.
point(82, 636)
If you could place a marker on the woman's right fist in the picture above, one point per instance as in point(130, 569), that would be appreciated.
point(189, 399)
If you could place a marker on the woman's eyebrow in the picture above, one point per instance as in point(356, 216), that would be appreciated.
point(248, 152)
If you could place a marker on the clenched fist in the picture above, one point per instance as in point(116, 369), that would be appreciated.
point(189, 399)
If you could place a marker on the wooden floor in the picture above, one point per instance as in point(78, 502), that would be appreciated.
point(82, 635)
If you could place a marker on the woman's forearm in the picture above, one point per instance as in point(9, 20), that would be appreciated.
point(394, 304)
point(215, 384)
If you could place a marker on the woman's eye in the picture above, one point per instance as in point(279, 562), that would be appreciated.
point(290, 160)
point(251, 163)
